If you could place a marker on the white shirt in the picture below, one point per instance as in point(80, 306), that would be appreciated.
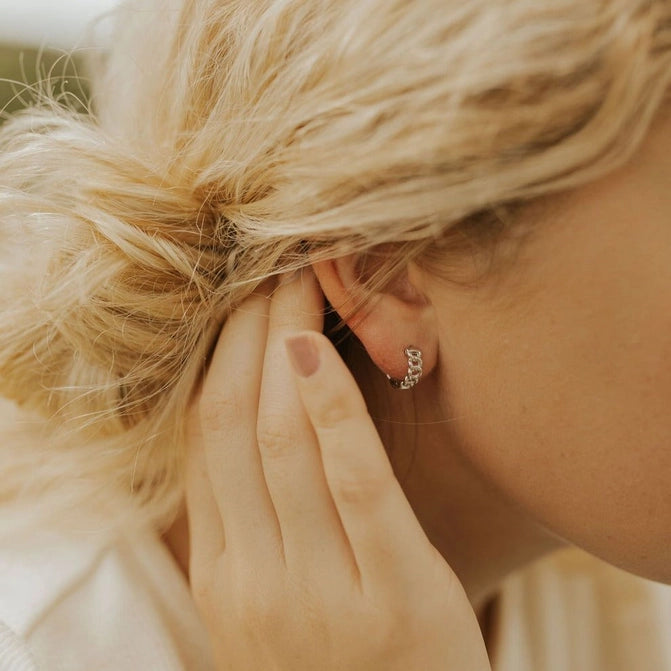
point(572, 612)
point(97, 603)
point(120, 603)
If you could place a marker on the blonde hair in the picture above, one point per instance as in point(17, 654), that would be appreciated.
point(230, 136)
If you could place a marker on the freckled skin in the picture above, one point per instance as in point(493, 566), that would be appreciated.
point(559, 380)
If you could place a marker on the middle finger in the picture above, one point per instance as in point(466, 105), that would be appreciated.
point(312, 535)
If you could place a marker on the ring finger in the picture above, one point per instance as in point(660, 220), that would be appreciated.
point(228, 410)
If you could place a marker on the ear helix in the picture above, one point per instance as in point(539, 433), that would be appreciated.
point(415, 369)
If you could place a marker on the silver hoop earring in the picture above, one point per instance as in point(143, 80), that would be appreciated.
point(414, 370)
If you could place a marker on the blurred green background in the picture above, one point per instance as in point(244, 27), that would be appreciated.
point(22, 68)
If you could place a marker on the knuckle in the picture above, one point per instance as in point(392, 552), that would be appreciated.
point(333, 412)
point(273, 436)
point(216, 409)
point(360, 489)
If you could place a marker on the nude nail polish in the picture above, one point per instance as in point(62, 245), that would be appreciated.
point(303, 354)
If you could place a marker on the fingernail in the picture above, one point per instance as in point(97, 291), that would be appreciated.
point(303, 354)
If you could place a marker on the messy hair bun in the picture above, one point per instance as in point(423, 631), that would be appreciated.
point(227, 137)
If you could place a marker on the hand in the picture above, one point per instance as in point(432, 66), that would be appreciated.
point(305, 553)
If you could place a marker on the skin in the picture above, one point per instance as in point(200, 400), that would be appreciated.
point(557, 381)
point(542, 418)
point(334, 572)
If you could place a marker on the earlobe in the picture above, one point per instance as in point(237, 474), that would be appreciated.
point(395, 318)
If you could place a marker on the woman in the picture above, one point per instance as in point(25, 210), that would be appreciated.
point(478, 194)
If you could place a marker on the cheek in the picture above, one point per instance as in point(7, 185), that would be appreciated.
point(563, 393)
point(573, 425)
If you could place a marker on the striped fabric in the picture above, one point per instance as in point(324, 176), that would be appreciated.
point(572, 612)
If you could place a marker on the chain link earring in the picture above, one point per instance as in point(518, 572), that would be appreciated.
point(415, 369)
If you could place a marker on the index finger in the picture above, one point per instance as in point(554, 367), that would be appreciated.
point(381, 526)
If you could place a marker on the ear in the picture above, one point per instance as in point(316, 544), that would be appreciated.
point(392, 319)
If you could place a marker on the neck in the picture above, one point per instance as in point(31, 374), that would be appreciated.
point(480, 532)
